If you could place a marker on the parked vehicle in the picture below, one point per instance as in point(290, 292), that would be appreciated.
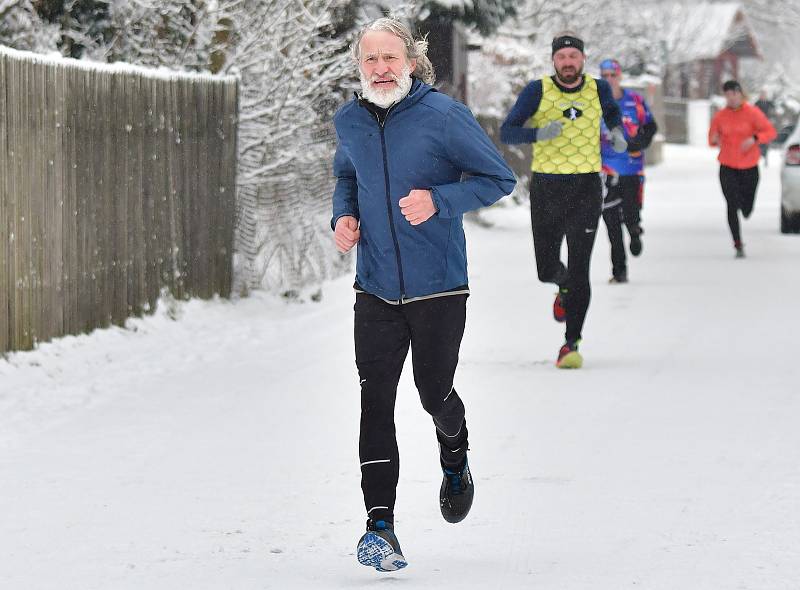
point(790, 184)
point(783, 134)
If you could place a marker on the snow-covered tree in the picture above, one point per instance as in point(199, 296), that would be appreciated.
point(22, 27)
point(178, 34)
point(76, 20)
point(777, 23)
point(291, 69)
point(485, 15)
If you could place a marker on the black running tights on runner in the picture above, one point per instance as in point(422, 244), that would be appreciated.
point(566, 205)
point(433, 328)
point(625, 194)
point(739, 188)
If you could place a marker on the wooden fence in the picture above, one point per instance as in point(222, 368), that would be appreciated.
point(115, 185)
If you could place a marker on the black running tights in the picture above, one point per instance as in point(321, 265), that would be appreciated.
point(566, 205)
point(739, 188)
point(433, 329)
point(624, 208)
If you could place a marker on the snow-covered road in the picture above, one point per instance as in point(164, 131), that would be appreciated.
point(220, 450)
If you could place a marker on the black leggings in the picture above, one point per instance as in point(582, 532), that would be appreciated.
point(622, 207)
point(739, 188)
point(566, 205)
point(383, 332)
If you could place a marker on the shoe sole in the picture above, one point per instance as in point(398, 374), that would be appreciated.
point(455, 518)
point(375, 551)
point(572, 360)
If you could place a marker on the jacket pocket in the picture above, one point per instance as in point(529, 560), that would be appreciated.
point(424, 249)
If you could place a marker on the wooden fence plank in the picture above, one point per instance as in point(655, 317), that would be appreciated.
point(119, 191)
point(5, 246)
point(84, 219)
point(36, 211)
point(73, 82)
point(55, 223)
point(204, 194)
point(177, 202)
point(104, 170)
point(22, 239)
point(150, 192)
point(229, 118)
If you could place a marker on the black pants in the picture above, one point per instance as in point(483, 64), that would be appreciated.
point(622, 206)
point(739, 188)
point(383, 332)
point(566, 205)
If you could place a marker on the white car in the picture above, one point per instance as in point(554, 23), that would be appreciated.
point(790, 184)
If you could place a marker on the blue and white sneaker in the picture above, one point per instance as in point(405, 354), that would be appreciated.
point(379, 548)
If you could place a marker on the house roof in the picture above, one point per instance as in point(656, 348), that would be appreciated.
point(704, 30)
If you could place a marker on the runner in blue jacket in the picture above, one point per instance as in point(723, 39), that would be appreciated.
point(409, 162)
point(426, 141)
point(624, 171)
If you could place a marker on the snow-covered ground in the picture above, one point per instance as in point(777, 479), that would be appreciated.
point(220, 450)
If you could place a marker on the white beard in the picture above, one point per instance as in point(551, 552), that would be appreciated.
point(387, 98)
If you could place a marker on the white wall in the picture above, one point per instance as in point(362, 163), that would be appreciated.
point(699, 118)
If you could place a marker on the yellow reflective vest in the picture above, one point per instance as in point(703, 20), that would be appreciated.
point(577, 149)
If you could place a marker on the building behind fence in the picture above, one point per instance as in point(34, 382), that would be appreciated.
point(115, 185)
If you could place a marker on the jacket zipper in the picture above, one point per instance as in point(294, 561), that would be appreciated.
point(389, 205)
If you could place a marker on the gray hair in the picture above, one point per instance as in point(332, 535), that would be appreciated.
point(415, 49)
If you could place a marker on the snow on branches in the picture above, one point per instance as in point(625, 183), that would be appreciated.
point(290, 59)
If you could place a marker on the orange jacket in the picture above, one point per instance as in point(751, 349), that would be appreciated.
point(731, 128)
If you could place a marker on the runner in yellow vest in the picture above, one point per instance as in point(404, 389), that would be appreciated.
point(562, 113)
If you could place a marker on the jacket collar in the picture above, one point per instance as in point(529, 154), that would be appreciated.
point(415, 94)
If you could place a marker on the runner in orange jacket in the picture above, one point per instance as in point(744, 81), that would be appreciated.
point(738, 129)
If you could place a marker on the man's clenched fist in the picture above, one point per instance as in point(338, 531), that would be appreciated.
point(418, 206)
point(346, 233)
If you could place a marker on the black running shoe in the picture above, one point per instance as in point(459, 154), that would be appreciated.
point(379, 547)
point(636, 241)
point(456, 493)
point(620, 277)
